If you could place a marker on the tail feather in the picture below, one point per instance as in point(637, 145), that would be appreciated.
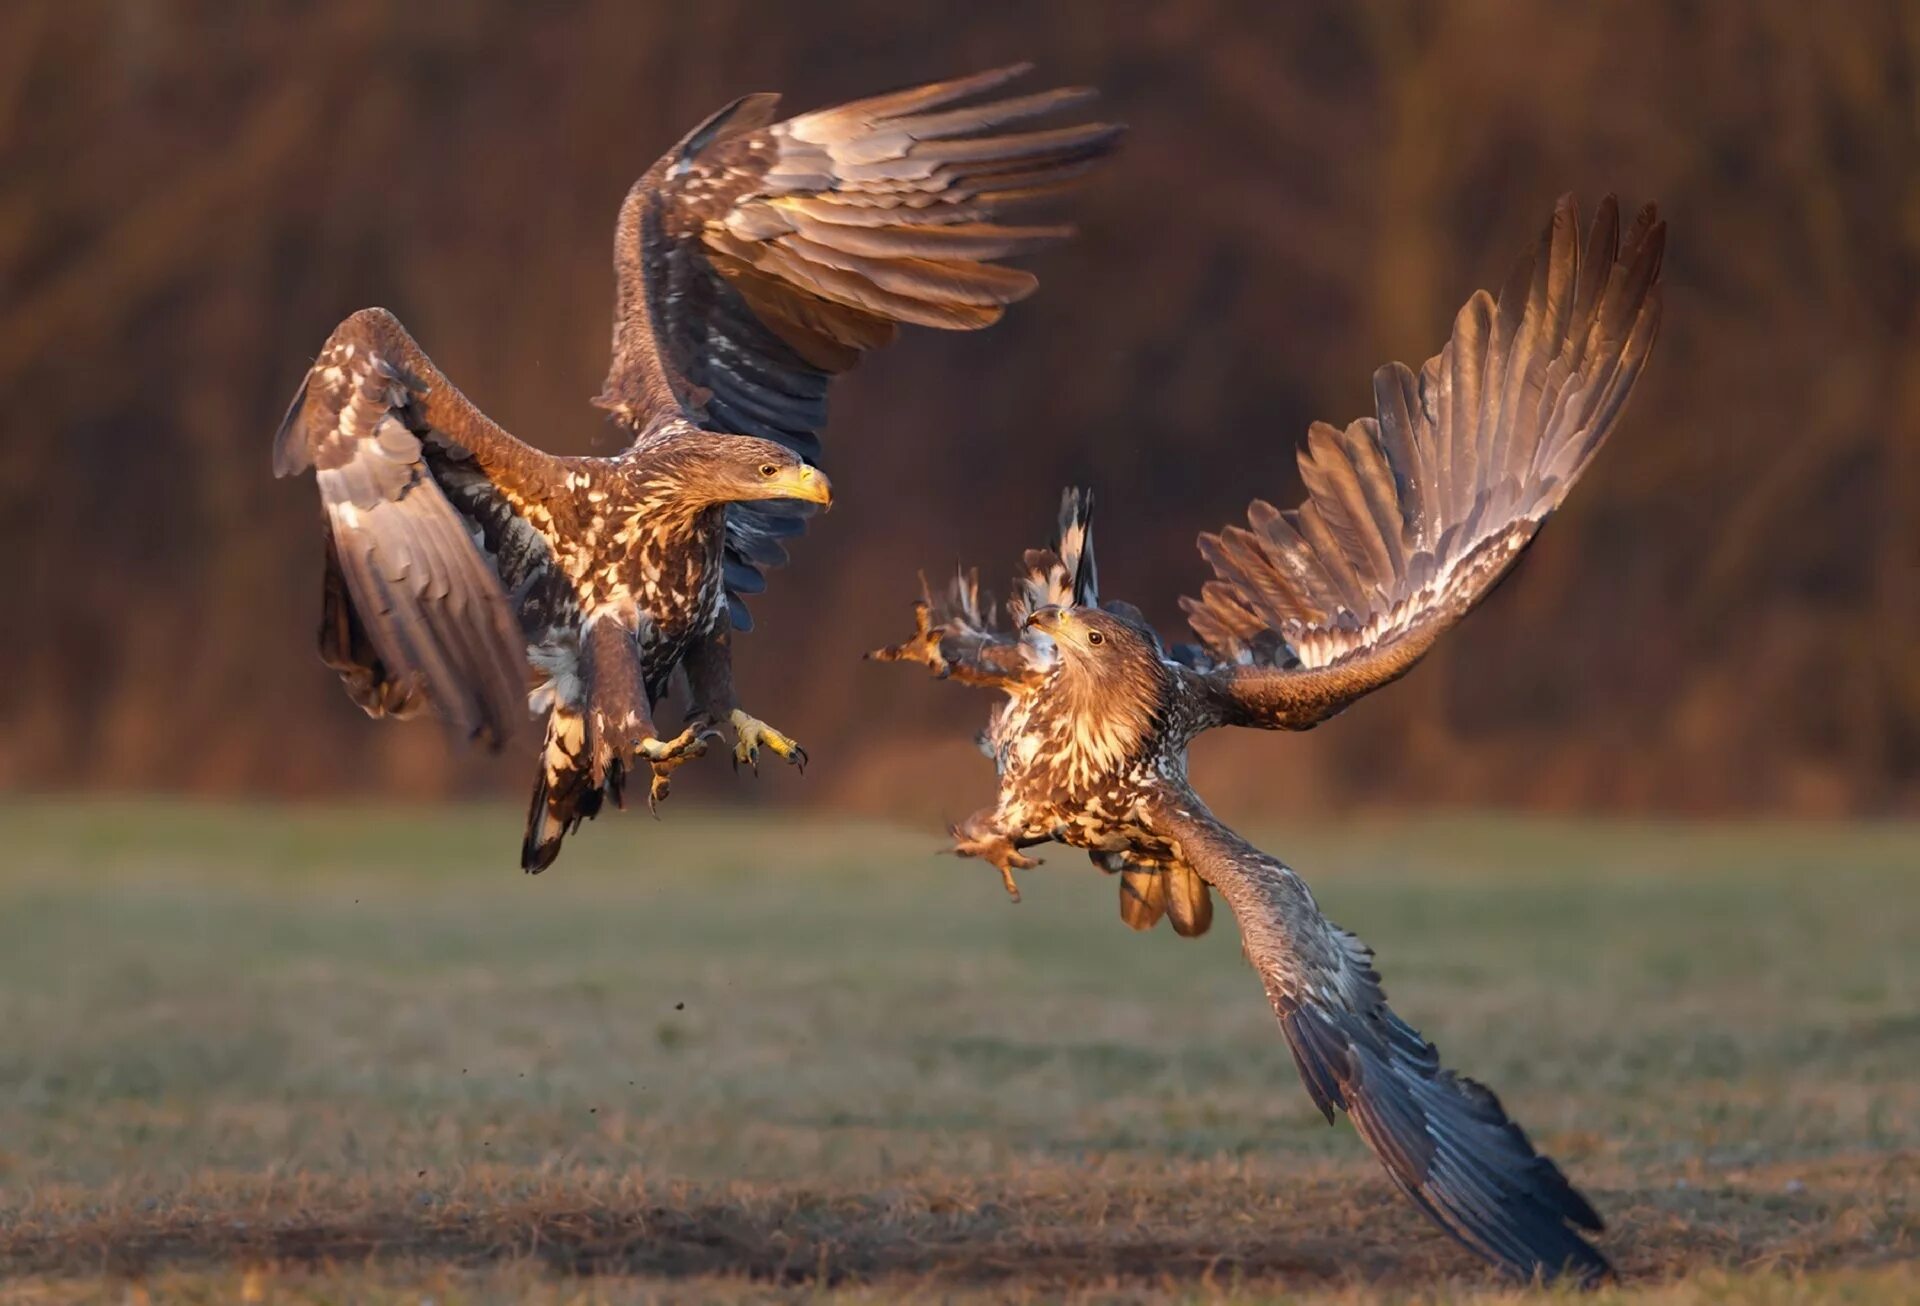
point(564, 795)
point(1151, 890)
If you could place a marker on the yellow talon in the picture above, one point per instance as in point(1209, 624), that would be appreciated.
point(752, 734)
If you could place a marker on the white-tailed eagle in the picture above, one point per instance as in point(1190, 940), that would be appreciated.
point(1411, 517)
point(755, 261)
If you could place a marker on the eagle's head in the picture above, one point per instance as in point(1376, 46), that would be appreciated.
point(717, 469)
point(1108, 668)
point(1101, 643)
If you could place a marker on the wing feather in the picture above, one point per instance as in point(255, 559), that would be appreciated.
point(1413, 516)
point(758, 258)
point(417, 487)
point(1444, 1140)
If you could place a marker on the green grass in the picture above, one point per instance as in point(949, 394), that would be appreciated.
point(339, 1054)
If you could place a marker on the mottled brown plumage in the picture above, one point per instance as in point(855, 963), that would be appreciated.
point(1411, 517)
point(754, 262)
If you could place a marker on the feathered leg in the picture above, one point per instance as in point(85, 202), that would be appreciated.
point(600, 729)
point(619, 715)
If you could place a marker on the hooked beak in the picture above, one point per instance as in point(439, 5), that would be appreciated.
point(1045, 619)
point(806, 483)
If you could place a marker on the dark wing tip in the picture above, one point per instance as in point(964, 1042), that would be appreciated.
point(290, 450)
point(747, 113)
point(1073, 542)
point(1448, 1143)
point(1656, 244)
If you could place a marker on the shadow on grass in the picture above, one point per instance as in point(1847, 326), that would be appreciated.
point(1323, 1232)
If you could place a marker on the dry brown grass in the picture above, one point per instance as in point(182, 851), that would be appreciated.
point(1051, 1228)
point(352, 1056)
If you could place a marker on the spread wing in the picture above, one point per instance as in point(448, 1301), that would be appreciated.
point(1444, 1139)
point(1061, 575)
point(758, 259)
point(959, 629)
point(1414, 514)
point(421, 494)
point(1065, 574)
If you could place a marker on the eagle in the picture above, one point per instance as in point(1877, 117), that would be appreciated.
point(1411, 517)
point(756, 260)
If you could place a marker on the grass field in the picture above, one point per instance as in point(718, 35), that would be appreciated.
point(345, 1055)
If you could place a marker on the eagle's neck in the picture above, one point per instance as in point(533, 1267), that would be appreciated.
point(667, 502)
point(1101, 728)
point(645, 549)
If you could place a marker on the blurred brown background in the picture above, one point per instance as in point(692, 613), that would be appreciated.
point(1723, 619)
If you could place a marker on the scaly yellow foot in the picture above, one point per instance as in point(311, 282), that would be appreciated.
point(683, 747)
point(752, 734)
point(669, 755)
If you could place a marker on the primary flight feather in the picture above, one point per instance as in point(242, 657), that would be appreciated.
point(468, 570)
point(1411, 517)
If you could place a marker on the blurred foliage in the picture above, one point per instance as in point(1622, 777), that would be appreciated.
point(1725, 617)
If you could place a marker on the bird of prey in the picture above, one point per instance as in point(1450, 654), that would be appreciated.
point(755, 261)
point(1411, 517)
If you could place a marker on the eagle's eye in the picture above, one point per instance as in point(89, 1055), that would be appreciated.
point(1095, 637)
point(769, 470)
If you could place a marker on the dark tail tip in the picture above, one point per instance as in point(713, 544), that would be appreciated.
point(544, 831)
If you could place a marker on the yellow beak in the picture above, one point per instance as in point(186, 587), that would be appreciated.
point(807, 483)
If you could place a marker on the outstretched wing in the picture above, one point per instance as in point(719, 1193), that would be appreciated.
point(1060, 575)
point(759, 259)
point(1065, 574)
point(960, 631)
point(1414, 514)
point(1444, 1139)
point(422, 497)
